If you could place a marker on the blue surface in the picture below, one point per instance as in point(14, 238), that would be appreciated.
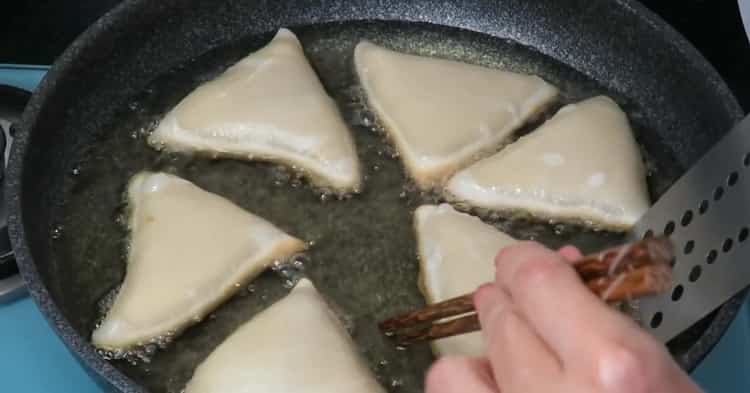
point(727, 367)
point(23, 76)
point(32, 357)
point(34, 360)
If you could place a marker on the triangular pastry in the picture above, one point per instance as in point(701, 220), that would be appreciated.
point(583, 165)
point(442, 114)
point(456, 255)
point(189, 250)
point(269, 106)
point(297, 345)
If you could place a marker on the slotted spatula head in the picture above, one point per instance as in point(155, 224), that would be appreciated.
point(706, 213)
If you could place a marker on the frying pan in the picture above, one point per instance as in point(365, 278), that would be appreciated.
point(140, 58)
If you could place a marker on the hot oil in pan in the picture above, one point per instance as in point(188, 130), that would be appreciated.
point(362, 255)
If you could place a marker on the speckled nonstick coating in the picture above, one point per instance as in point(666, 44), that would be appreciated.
point(676, 100)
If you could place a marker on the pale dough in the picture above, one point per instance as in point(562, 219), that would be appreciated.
point(456, 255)
point(583, 165)
point(443, 114)
point(295, 346)
point(269, 106)
point(189, 250)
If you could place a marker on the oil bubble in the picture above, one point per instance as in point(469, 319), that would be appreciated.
point(57, 232)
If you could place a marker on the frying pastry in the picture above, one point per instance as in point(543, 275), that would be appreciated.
point(189, 250)
point(583, 166)
point(442, 114)
point(297, 345)
point(269, 106)
point(456, 255)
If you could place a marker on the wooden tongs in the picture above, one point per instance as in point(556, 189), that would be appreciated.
point(621, 273)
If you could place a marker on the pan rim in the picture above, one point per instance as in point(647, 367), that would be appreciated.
point(80, 346)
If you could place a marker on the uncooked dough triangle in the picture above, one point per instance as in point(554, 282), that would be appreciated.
point(456, 255)
point(295, 346)
point(443, 114)
point(583, 165)
point(269, 106)
point(189, 250)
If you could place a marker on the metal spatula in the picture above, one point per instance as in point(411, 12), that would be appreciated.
point(706, 213)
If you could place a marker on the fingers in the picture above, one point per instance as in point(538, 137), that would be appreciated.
point(637, 365)
point(492, 306)
point(519, 358)
point(460, 374)
point(545, 331)
point(549, 295)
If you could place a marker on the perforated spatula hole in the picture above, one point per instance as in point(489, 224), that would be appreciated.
point(689, 247)
point(695, 273)
point(687, 218)
point(732, 179)
point(718, 193)
point(727, 245)
point(743, 235)
point(669, 228)
point(703, 207)
point(711, 256)
point(656, 320)
point(677, 292)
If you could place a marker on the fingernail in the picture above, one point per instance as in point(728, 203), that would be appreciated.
point(569, 252)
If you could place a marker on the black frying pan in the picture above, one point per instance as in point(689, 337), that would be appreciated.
point(142, 57)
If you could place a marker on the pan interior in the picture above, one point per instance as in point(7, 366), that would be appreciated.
point(363, 259)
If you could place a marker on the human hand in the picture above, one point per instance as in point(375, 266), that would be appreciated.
point(546, 332)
